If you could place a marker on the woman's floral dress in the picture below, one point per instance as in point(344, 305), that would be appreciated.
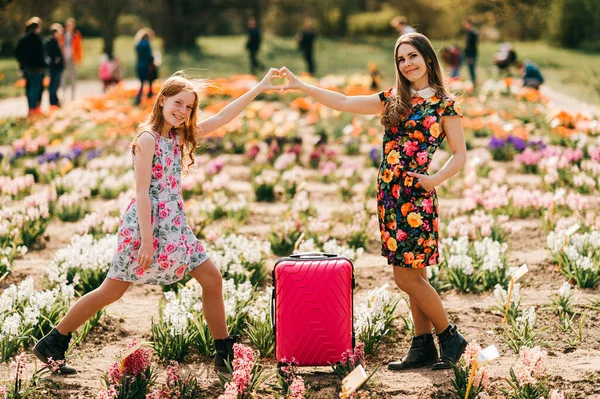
point(176, 249)
point(408, 215)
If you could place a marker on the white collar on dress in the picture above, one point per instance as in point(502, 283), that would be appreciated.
point(423, 93)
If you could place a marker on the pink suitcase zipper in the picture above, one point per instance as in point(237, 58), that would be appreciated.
point(312, 308)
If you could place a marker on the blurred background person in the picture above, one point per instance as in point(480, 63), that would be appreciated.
point(31, 56)
point(56, 63)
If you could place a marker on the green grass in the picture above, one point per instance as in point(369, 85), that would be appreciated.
point(572, 72)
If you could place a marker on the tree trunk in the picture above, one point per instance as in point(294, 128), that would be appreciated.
point(181, 21)
point(107, 12)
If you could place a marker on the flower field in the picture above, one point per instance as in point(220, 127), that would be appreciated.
point(291, 175)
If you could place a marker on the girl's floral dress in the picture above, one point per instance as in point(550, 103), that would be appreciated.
point(176, 249)
point(408, 215)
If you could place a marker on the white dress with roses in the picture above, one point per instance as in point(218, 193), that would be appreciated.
point(177, 251)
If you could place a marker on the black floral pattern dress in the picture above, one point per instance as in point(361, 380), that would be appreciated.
point(408, 214)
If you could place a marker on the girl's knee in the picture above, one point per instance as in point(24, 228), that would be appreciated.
point(111, 291)
point(212, 279)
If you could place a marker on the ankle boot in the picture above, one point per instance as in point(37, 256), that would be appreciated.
point(452, 346)
point(224, 355)
point(422, 352)
point(54, 345)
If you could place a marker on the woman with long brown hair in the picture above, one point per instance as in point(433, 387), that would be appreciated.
point(418, 113)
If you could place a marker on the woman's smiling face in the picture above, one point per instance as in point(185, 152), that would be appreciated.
point(411, 63)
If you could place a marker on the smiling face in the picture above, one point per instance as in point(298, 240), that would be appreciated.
point(411, 63)
point(178, 108)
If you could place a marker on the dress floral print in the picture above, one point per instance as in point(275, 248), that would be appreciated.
point(176, 249)
point(408, 215)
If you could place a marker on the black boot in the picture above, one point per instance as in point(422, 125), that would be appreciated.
point(224, 349)
point(452, 346)
point(422, 352)
point(54, 345)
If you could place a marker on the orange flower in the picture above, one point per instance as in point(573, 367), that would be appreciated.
point(405, 208)
point(389, 146)
point(396, 191)
point(387, 176)
point(301, 103)
point(435, 130)
point(391, 243)
point(418, 136)
point(415, 219)
point(417, 100)
point(410, 123)
point(408, 258)
point(381, 210)
point(393, 157)
point(397, 171)
point(418, 262)
point(391, 225)
point(408, 181)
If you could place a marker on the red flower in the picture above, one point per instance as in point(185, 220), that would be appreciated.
point(433, 259)
point(410, 147)
point(427, 205)
point(430, 120)
point(401, 235)
point(396, 191)
point(422, 157)
point(157, 171)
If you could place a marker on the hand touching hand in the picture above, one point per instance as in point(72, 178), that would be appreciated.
point(267, 83)
point(293, 82)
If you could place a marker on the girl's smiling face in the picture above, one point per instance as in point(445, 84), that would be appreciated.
point(177, 109)
point(411, 63)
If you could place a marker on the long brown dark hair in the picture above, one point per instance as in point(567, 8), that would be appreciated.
point(174, 85)
point(399, 105)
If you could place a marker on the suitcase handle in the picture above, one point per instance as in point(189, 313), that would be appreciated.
point(313, 255)
point(273, 311)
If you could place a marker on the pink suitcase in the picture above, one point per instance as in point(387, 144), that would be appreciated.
point(312, 308)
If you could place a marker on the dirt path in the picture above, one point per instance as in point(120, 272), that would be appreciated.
point(17, 106)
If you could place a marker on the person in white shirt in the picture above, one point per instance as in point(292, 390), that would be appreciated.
point(400, 23)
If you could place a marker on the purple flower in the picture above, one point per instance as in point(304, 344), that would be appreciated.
point(52, 156)
point(92, 154)
point(375, 155)
point(518, 143)
point(496, 143)
point(537, 145)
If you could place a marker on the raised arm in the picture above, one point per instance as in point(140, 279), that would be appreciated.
point(234, 108)
point(356, 104)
